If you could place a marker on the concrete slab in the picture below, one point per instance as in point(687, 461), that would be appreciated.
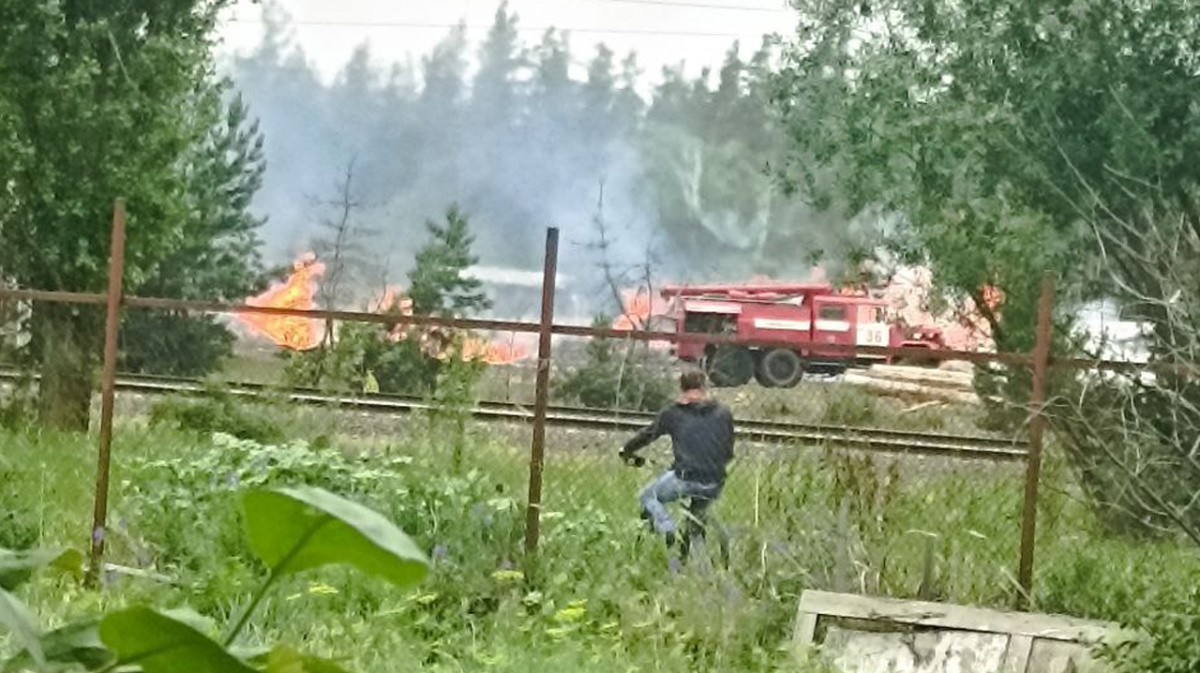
point(861, 634)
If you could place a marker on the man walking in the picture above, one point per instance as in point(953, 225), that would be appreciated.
point(701, 431)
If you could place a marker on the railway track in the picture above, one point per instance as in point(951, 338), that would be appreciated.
point(783, 432)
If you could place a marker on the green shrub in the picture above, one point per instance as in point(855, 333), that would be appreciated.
point(1169, 627)
point(18, 408)
point(291, 530)
point(217, 411)
point(180, 507)
point(18, 527)
point(618, 376)
point(361, 353)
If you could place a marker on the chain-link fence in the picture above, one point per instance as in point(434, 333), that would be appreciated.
point(897, 476)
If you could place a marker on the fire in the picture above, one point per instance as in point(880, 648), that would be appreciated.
point(298, 292)
point(640, 308)
point(438, 343)
point(963, 327)
point(495, 352)
point(908, 293)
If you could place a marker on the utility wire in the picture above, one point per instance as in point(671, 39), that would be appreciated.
point(540, 29)
point(694, 5)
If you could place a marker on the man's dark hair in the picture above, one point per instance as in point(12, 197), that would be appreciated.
point(692, 380)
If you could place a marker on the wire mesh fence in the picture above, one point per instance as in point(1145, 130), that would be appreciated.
point(900, 478)
point(849, 479)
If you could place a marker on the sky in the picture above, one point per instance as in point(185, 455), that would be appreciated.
point(662, 32)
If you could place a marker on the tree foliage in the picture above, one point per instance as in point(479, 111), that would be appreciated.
point(99, 101)
point(438, 283)
point(1014, 137)
point(219, 251)
point(989, 125)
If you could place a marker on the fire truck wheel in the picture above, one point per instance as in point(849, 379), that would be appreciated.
point(780, 368)
point(730, 367)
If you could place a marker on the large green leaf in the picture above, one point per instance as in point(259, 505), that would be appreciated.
point(159, 644)
point(284, 659)
point(17, 566)
point(66, 649)
point(295, 529)
point(15, 616)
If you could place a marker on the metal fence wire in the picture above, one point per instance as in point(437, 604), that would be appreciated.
point(889, 479)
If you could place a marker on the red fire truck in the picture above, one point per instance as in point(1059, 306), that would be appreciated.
point(809, 316)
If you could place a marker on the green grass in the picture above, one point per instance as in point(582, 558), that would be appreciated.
point(601, 596)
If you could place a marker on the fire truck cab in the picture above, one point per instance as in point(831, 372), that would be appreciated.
point(780, 331)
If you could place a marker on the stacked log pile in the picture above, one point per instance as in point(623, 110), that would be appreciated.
point(948, 383)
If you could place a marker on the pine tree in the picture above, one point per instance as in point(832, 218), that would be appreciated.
point(442, 98)
point(219, 253)
point(629, 106)
point(493, 96)
point(437, 284)
point(551, 93)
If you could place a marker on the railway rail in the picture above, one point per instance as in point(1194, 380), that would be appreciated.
point(782, 432)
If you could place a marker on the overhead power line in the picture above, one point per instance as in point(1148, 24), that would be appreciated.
point(696, 5)
point(415, 25)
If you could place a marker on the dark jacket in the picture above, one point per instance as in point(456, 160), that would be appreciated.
point(701, 438)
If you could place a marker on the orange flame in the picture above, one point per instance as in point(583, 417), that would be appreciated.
point(437, 343)
point(298, 292)
point(908, 294)
point(639, 308)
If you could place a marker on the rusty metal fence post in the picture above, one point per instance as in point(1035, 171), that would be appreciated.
point(537, 449)
point(1037, 429)
point(116, 271)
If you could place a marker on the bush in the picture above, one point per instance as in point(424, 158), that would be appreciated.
point(618, 376)
point(1169, 626)
point(182, 513)
point(174, 344)
point(218, 411)
point(364, 352)
point(18, 407)
point(18, 526)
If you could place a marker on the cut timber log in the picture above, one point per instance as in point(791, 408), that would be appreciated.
point(910, 390)
point(960, 366)
point(930, 377)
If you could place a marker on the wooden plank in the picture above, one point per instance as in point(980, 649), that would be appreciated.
point(1016, 660)
point(919, 613)
point(806, 628)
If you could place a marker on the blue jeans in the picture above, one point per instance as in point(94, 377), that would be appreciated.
point(669, 488)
